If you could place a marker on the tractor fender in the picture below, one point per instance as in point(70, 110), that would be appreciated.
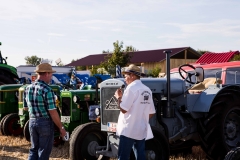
point(10, 71)
point(203, 102)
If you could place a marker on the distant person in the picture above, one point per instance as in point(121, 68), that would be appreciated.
point(136, 108)
point(74, 82)
point(39, 100)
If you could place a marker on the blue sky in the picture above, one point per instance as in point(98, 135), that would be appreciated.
point(73, 29)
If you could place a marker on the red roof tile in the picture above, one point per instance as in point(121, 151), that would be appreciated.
point(139, 56)
point(210, 57)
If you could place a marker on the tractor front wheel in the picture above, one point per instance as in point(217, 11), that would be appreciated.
point(84, 139)
point(26, 133)
point(11, 125)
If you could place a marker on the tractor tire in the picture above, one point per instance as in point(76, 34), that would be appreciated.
point(1, 125)
point(11, 125)
point(219, 130)
point(26, 132)
point(234, 154)
point(4, 79)
point(183, 147)
point(84, 139)
point(157, 147)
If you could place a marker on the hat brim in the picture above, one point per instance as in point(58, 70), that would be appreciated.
point(134, 72)
point(50, 71)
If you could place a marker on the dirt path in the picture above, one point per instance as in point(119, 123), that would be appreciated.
point(17, 148)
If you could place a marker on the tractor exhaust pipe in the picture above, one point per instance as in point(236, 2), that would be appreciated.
point(168, 111)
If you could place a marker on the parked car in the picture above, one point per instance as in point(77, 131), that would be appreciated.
point(228, 72)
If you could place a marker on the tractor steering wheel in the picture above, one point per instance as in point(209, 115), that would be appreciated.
point(189, 75)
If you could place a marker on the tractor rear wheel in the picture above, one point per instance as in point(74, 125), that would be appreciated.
point(157, 147)
point(234, 154)
point(26, 133)
point(220, 129)
point(1, 124)
point(4, 79)
point(84, 139)
point(11, 125)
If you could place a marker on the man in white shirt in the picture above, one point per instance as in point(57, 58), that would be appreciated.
point(136, 106)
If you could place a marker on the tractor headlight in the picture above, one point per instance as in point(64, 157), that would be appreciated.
point(76, 99)
point(97, 111)
point(56, 97)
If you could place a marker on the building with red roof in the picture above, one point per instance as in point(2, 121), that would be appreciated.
point(149, 59)
point(211, 57)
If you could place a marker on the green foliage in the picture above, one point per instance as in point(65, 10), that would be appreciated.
point(236, 58)
point(33, 60)
point(118, 57)
point(81, 68)
point(154, 72)
point(107, 51)
point(94, 70)
point(202, 51)
point(130, 49)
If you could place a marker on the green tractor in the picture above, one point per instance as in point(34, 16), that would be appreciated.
point(75, 106)
point(9, 109)
point(8, 74)
point(72, 105)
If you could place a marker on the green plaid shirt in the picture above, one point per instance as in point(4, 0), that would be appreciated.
point(39, 98)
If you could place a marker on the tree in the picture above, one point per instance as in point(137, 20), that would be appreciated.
point(154, 72)
point(202, 51)
point(79, 68)
point(117, 57)
point(236, 58)
point(33, 60)
point(107, 51)
point(130, 49)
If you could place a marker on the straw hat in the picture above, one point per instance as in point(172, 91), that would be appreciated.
point(44, 67)
point(133, 69)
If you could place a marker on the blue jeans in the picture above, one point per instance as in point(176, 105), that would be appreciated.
point(127, 144)
point(41, 136)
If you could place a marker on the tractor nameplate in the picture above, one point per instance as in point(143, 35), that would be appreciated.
point(65, 119)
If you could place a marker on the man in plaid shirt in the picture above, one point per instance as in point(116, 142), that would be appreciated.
point(39, 100)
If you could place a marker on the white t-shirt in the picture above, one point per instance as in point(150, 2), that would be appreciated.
point(138, 102)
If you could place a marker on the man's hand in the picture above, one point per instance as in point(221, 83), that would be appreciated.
point(118, 93)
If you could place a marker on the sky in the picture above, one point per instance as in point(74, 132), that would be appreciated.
point(73, 29)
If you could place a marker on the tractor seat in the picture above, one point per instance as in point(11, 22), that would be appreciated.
point(198, 88)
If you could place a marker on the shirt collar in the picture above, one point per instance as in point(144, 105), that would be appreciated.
point(40, 81)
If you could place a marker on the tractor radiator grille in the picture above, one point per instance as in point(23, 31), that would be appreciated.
point(109, 106)
point(66, 106)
